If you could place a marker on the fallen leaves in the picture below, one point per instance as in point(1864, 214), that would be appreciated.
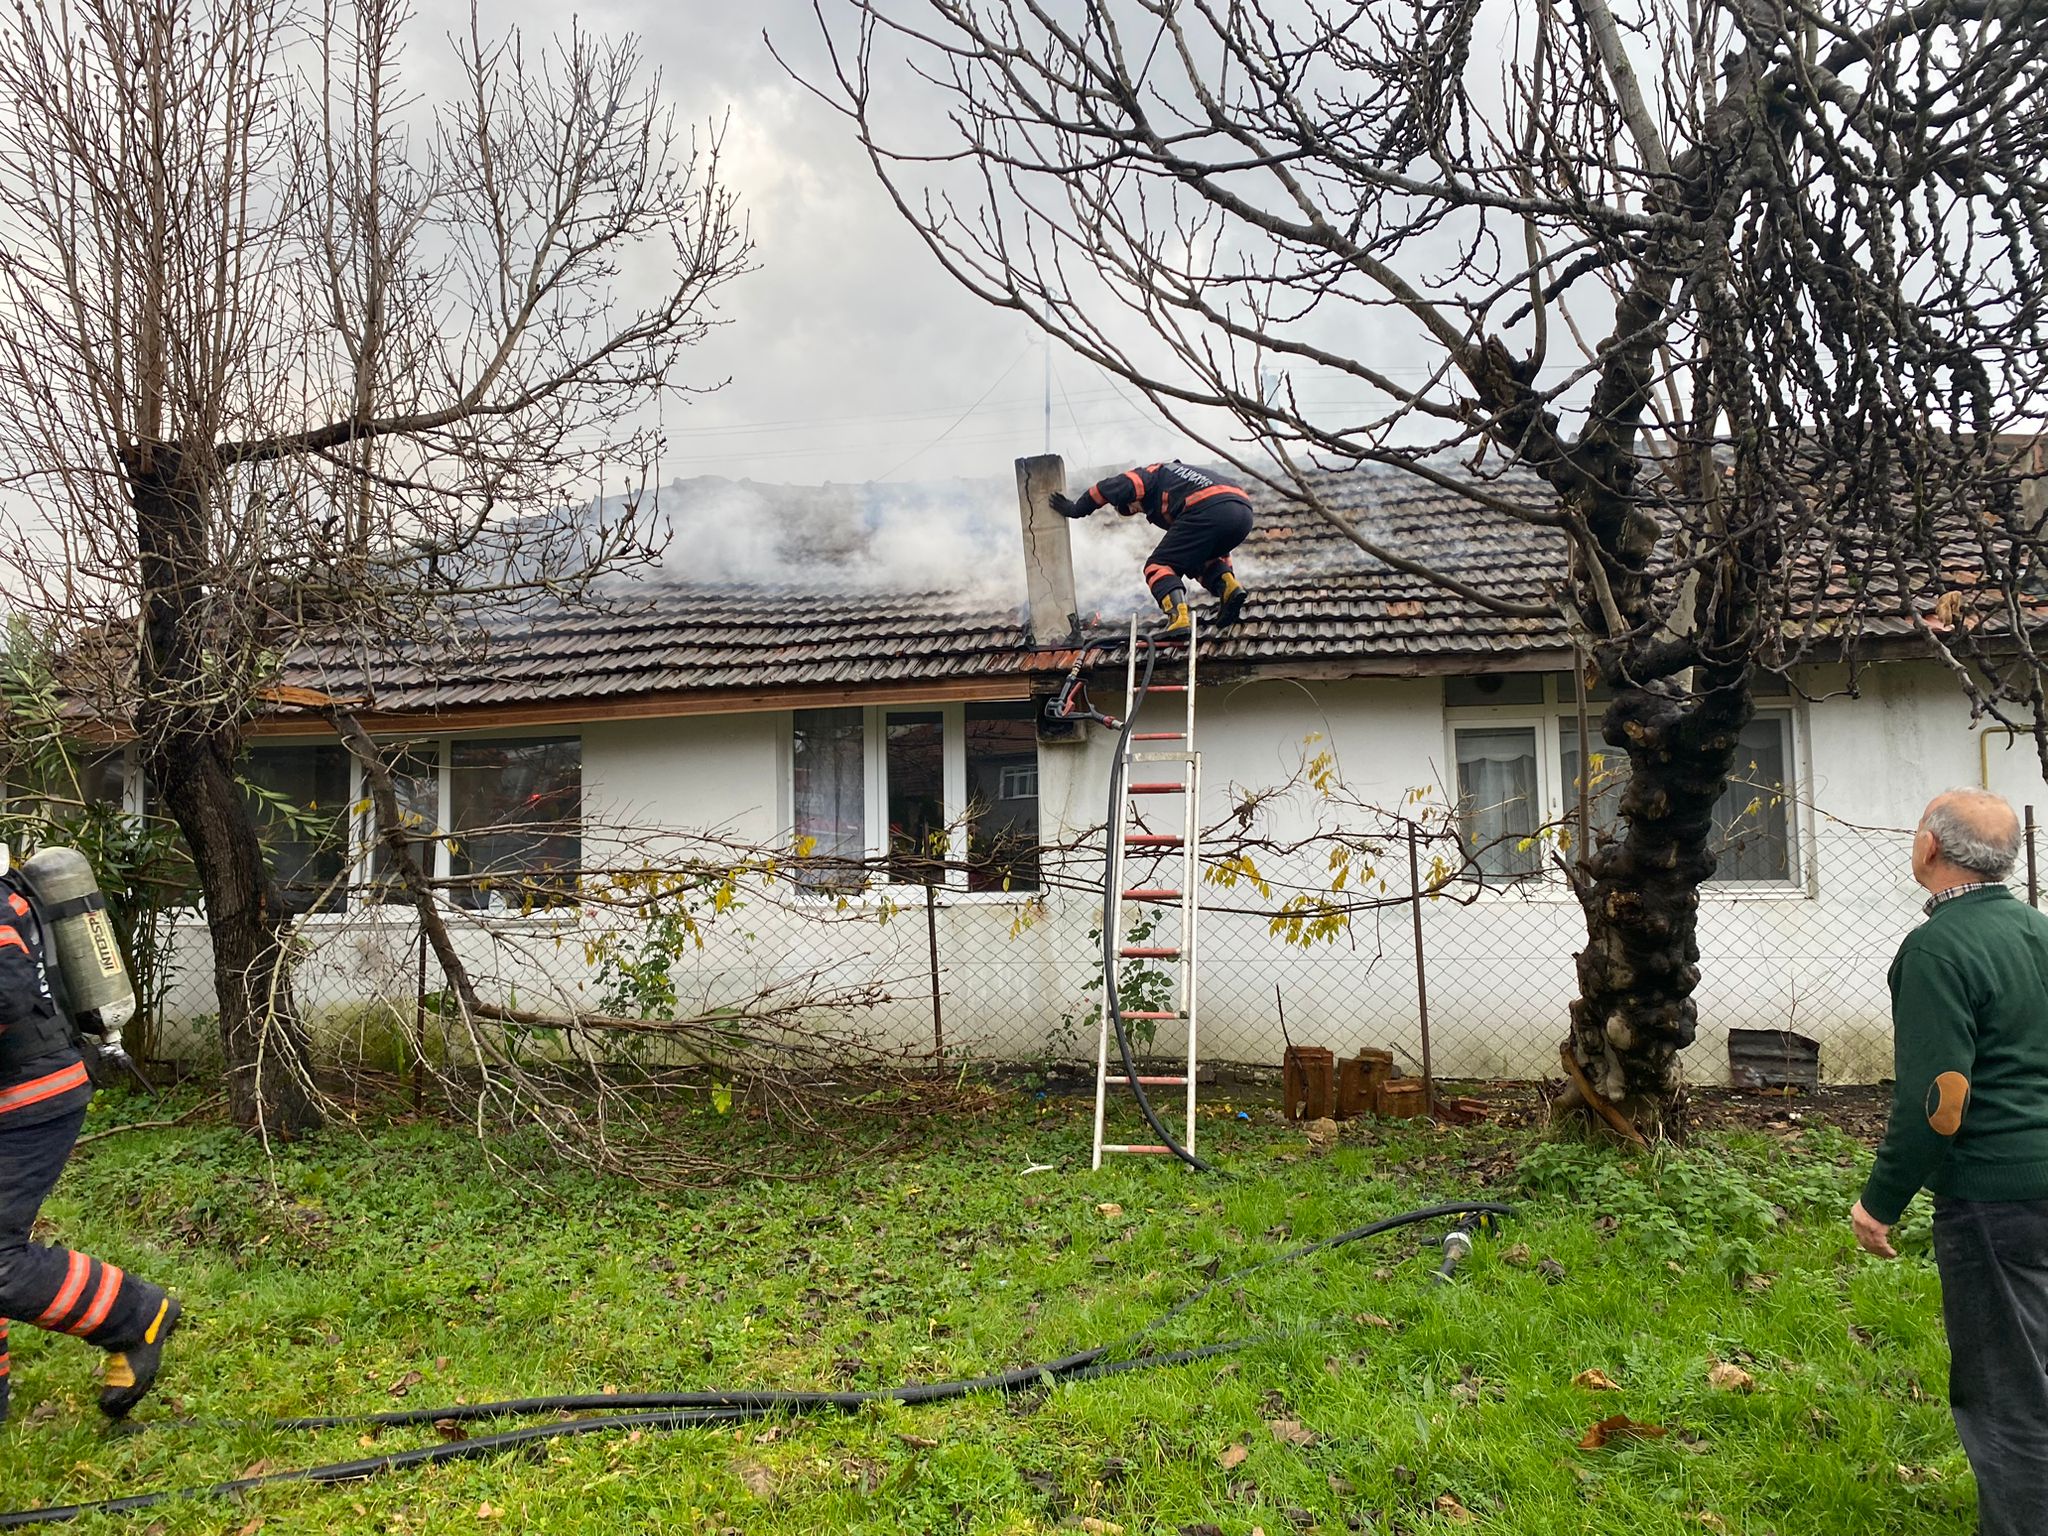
point(1448, 1506)
point(1109, 1208)
point(1723, 1377)
point(1594, 1380)
point(756, 1479)
point(405, 1383)
point(1291, 1432)
point(1100, 1527)
point(1233, 1457)
point(1619, 1426)
point(1551, 1271)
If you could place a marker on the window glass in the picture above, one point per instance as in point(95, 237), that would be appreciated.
point(1603, 789)
point(416, 778)
point(1493, 688)
point(515, 812)
point(915, 777)
point(1752, 835)
point(826, 748)
point(85, 778)
point(1002, 797)
point(299, 798)
point(1497, 799)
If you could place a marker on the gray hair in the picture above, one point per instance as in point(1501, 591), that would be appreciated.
point(1975, 830)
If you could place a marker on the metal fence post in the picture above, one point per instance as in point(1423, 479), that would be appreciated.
point(1421, 974)
point(931, 926)
point(2033, 871)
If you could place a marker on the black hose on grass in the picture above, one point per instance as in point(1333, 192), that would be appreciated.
point(690, 1410)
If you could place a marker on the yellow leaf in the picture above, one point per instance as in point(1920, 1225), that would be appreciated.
point(1594, 1381)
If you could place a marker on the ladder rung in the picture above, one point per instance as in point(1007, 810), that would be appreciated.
point(1152, 840)
point(1147, 952)
point(1135, 1014)
point(1149, 1082)
point(1158, 787)
point(1166, 688)
point(1159, 736)
point(1110, 1147)
point(1151, 893)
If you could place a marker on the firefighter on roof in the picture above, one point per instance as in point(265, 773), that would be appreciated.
point(1204, 518)
point(43, 1094)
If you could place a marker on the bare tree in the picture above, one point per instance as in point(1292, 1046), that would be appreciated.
point(1740, 299)
point(288, 346)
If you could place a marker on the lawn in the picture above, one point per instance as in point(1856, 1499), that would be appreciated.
point(399, 1267)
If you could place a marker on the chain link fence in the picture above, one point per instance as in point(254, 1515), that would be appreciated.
point(1366, 931)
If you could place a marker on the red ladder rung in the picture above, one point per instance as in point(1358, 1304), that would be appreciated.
point(1150, 1082)
point(1152, 840)
point(1146, 952)
point(1165, 688)
point(1159, 736)
point(1111, 1147)
point(1141, 1015)
point(1158, 787)
point(1151, 893)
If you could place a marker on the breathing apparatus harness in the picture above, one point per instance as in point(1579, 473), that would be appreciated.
point(83, 972)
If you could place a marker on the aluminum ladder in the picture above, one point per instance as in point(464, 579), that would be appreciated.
point(1152, 849)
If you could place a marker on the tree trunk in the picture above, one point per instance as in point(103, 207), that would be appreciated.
point(1641, 893)
point(189, 722)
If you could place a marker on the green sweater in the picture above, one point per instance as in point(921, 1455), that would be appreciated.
point(1970, 1039)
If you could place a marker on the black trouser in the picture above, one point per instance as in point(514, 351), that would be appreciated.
point(55, 1288)
point(1199, 545)
point(1993, 1257)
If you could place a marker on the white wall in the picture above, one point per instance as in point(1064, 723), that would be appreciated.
point(1500, 967)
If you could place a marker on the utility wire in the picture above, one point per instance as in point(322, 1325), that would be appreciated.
point(928, 447)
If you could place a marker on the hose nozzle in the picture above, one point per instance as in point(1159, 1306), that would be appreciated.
point(1458, 1243)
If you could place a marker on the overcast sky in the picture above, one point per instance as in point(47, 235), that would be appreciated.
point(850, 352)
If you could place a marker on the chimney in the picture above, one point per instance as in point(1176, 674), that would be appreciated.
point(1053, 615)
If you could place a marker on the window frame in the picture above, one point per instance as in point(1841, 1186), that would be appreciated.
point(875, 802)
point(1557, 715)
point(1507, 717)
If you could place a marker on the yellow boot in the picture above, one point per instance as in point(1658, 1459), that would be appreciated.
point(1178, 620)
point(1230, 601)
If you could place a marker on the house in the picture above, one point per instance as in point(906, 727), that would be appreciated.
point(766, 716)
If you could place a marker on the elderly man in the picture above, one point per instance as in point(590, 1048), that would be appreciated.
point(1969, 1121)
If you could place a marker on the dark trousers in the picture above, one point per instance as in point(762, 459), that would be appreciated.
point(55, 1288)
point(1199, 545)
point(1993, 1257)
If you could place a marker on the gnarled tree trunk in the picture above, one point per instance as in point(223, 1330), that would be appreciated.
point(1641, 894)
point(189, 724)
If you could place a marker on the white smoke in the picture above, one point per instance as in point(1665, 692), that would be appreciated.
point(959, 536)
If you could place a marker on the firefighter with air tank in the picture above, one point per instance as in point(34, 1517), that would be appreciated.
point(62, 978)
point(1204, 519)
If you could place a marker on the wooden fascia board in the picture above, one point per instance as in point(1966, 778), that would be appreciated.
point(655, 706)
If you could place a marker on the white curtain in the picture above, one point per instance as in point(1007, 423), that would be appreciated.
point(1497, 799)
point(831, 794)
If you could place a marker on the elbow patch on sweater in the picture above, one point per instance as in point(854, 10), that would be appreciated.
point(1947, 1097)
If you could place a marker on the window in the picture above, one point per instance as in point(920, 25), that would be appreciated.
point(416, 779)
point(83, 779)
point(1515, 742)
point(299, 796)
point(830, 795)
point(515, 810)
point(914, 769)
point(902, 786)
point(1002, 797)
point(1498, 799)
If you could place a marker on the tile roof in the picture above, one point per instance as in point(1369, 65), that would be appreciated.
point(1317, 600)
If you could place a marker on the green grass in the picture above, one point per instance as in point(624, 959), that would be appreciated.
point(375, 1258)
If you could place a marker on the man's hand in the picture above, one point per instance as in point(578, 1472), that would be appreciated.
point(1064, 507)
point(1872, 1234)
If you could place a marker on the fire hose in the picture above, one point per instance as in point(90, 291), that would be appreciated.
point(691, 1410)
